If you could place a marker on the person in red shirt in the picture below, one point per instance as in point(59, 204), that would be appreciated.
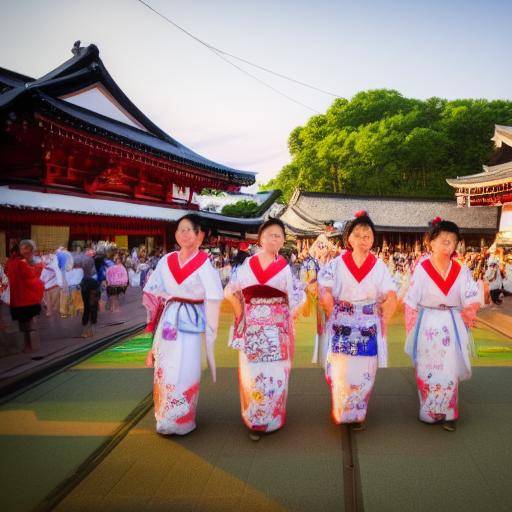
point(26, 291)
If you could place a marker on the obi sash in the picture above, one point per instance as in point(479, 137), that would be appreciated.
point(263, 332)
point(354, 329)
point(180, 314)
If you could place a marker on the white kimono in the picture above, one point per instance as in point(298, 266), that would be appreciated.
point(266, 342)
point(439, 342)
point(177, 340)
point(357, 345)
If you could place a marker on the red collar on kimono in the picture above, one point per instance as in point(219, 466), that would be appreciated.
point(444, 285)
point(181, 273)
point(361, 272)
point(265, 275)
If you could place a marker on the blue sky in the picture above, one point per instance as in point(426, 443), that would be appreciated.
point(451, 49)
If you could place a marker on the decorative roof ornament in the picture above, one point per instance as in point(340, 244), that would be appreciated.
point(76, 48)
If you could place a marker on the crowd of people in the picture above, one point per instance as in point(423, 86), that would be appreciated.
point(490, 267)
point(80, 283)
point(73, 285)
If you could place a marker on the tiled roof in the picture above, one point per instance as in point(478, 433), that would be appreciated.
point(84, 69)
point(308, 212)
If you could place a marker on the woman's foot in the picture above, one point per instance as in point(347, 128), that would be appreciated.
point(87, 332)
point(449, 425)
point(254, 436)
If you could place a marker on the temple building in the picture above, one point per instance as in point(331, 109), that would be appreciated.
point(79, 161)
point(399, 222)
point(492, 187)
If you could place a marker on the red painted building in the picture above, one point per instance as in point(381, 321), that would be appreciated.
point(80, 160)
point(493, 186)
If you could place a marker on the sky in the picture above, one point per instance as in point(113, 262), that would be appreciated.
point(450, 49)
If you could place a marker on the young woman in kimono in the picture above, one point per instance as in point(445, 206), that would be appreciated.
point(441, 304)
point(185, 292)
point(359, 296)
point(264, 300)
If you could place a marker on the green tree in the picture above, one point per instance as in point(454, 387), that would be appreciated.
point(381, 143)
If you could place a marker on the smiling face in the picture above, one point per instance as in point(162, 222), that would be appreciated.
point(272, 239)
point(187, 236)
point(444, 244)
point(361, 239)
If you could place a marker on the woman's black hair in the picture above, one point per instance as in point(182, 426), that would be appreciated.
point(198, 223)
point(361, 219)
point(271, 221)
point(436, 226)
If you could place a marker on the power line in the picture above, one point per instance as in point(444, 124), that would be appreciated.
point(223, 55)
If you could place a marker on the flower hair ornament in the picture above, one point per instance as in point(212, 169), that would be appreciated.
point(436, 221)
point(362, 213)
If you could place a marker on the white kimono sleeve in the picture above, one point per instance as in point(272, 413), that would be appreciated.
point(387, 283)
point(213, 295)
point(469, 289)
point(413, 295)
point(295, 290)
point(155, 283)
point(326, 275)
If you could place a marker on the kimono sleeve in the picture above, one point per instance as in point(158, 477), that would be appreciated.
point(213, 295)
point(469, 288)
point(326, 275)
point(387, 283)
point(155, 283)
point(210, 279)
point(295, 290)
point(413, 295)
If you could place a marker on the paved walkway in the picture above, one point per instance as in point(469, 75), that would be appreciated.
point(61, 337)
point(498, 317)
point(404, 465)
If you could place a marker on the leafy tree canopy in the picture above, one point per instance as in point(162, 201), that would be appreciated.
point(381, 143)
point(243, 208)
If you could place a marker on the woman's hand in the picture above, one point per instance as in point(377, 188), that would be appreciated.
point(387, 307)
point(150, 359)
point(468, 314)
point(326, 301)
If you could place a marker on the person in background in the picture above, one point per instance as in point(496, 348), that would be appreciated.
point(76, 304)
point(90, 290)
point(117, 282)
point(4, 292)
point(26, 291)
point(52, 279)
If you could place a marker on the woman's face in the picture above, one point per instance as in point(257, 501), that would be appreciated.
point(361, 238)
point(187, 237)
point(272, 239)
point(26, 251)
point(444, 244)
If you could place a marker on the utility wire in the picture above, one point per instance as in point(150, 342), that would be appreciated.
point(223, 55)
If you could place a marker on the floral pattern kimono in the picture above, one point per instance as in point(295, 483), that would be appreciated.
point(357, 345)
point(265, 338)
point(439, 342)
point(193, 308)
